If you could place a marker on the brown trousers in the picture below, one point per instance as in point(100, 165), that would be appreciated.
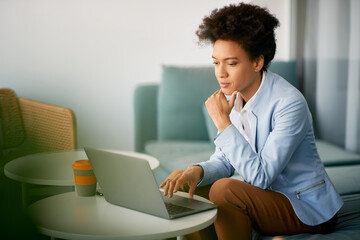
point(243, 207)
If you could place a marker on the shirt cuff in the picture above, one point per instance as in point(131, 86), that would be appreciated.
point(222, 139)
point(208, 174)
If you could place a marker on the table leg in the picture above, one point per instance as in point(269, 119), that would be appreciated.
point(24, 196)
point(31, 192)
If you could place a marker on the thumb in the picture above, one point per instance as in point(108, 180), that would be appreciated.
point(232, 99)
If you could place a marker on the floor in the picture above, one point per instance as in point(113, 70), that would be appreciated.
point(14, 222)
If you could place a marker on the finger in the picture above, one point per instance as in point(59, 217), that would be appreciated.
point(166, 187)
point(232, 99)
point(177, 186)
point(182, 185)
point(163, 184)
point(171, 188)
point(221, 95)
point(191, 191)
point(215, 93)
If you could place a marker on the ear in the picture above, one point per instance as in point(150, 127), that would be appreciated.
point(258, 63)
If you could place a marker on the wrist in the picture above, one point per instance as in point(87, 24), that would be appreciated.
point(222, 125)
point(197, 170)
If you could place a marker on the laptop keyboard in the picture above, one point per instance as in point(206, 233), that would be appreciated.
point(176, 209)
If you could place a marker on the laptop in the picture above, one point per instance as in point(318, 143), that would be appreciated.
point(128, 181)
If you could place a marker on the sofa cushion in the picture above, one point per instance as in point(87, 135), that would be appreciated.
point(346, 179)
point(182, 93)
point(174, 155)
point(332, 155)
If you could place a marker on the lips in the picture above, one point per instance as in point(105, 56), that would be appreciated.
point(224, 85)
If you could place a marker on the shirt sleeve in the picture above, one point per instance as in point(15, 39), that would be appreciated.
point(215, 168)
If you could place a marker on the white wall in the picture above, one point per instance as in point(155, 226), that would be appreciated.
point(88, 55)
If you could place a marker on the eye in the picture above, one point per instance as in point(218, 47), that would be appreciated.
point(215, 63)
point(233, 64)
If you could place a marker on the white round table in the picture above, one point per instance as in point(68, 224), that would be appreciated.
point(54, 168)
point(69, 216)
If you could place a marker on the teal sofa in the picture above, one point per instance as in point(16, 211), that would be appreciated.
point(172, 124)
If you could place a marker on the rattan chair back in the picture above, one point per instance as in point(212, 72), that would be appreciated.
point(48, 127)
point(12, 129)
point(29, 126)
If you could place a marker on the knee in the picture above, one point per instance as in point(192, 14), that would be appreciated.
point(222, 190)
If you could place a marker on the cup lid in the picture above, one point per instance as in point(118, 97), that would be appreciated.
point(82, 164)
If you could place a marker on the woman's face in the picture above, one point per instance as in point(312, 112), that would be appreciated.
point(234, 70)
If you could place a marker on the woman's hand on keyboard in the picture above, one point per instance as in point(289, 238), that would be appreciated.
point(185, 180)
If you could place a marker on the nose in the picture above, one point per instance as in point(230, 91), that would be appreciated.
point(220, 71)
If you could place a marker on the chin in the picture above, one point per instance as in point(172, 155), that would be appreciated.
point(227, 91)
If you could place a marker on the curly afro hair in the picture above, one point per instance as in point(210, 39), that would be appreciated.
point(249, 25)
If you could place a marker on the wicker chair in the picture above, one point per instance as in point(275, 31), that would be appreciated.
point(28, 127)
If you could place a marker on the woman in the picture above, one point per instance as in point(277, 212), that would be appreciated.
point(264, 133)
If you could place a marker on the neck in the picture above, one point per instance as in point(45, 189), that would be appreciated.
point(250, 91)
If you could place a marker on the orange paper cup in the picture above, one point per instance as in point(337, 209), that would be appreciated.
point(85, 180)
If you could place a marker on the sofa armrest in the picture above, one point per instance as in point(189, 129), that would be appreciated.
point(145, 115)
